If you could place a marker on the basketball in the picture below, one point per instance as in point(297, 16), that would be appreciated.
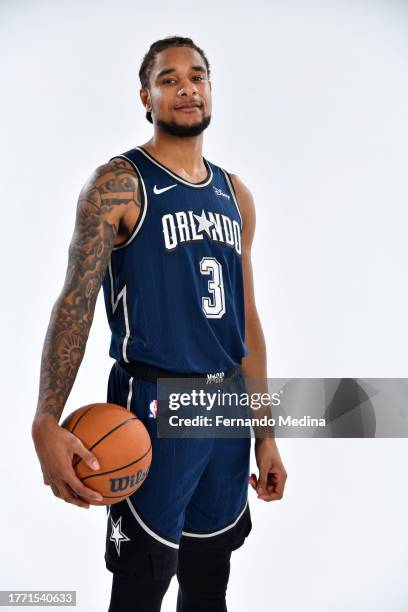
point(120, 442)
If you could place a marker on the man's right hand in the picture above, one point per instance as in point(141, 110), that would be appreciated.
point(56, 447)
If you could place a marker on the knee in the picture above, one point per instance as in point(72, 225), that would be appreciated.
point(203, 577)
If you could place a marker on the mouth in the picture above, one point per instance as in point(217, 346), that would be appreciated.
point(188, 108)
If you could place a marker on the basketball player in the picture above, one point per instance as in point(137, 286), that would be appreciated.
point(168, 235)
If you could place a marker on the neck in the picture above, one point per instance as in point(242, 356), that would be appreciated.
point(178, 153)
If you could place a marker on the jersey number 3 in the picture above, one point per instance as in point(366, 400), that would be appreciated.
point(213, 307)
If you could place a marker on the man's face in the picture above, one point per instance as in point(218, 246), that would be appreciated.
point(180, 92)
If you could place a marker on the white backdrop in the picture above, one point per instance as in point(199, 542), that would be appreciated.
point(310, 109)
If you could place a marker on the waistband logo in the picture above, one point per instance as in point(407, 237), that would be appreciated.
point(216, 377)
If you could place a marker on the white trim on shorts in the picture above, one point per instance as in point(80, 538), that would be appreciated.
point(214, 533)
point(147, 529)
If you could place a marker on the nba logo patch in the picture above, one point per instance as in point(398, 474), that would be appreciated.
point(153, 409)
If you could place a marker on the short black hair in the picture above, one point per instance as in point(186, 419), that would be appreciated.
point(160, 45)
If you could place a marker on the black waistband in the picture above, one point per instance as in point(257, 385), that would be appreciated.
point(149, 372)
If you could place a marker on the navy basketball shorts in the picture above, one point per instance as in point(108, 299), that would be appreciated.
point(195, 495)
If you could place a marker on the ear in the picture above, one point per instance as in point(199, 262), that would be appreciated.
point(145, 98)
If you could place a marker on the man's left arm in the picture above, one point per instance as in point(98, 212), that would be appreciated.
point(272, 475)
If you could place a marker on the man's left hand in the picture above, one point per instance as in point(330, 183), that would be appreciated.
point(272, 474)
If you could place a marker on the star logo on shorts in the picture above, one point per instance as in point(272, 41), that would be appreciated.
point(117, 534)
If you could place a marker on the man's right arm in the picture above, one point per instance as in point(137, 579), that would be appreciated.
point(103, 202)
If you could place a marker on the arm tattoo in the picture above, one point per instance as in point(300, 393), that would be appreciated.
point(113, 184)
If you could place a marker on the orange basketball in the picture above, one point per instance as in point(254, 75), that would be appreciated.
point(121, 444)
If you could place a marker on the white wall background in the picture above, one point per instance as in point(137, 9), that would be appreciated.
point(310, 108)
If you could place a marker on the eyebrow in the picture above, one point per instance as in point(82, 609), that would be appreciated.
point(167, 70)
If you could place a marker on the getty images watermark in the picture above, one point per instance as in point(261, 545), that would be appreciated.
point(296, 407)
point(212, 401)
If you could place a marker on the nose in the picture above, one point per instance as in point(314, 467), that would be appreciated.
point(187, 89)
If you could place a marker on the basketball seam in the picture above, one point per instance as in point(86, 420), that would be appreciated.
point(106, 435)
point(81, 416)
point(116, 496)
point(119, 468)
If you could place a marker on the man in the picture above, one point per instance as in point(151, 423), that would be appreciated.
point(168, 235)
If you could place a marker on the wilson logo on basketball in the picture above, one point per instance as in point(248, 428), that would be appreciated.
point(127, 482)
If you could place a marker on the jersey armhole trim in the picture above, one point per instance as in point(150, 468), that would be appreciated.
point(232, 190)
point(143, 209)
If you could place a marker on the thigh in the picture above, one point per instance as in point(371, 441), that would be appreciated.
point(143, 591)
point(151, 519)
point(222, 491)
point(220, 501)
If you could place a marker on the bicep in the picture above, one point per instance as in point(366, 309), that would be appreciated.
point(89, 250)
point(101, 203)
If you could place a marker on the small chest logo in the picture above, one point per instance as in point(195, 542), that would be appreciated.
point(163, 189)
point(220, 192)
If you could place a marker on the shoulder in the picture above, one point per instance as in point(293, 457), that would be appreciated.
point(245, 201)
point(241, 189)
point(112, 174)
point(111, 182)
point(109, 189)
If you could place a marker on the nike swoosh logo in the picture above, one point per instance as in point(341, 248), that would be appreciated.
point(157, 190)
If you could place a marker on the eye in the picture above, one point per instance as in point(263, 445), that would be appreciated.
point(168, 80)
point(198, 77)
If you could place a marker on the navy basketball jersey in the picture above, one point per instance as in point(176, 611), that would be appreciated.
point(174, 290)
